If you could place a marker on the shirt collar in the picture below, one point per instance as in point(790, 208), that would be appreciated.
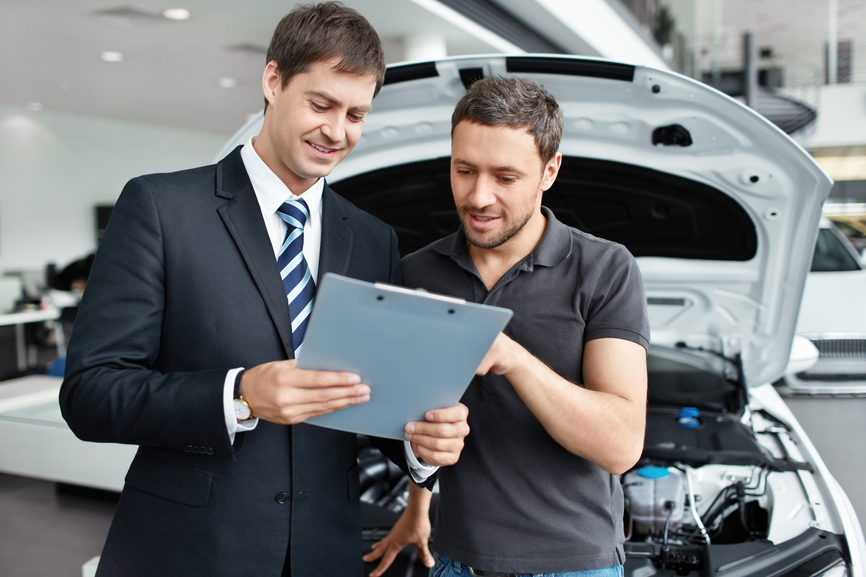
point(553, 248)
point(270, 190)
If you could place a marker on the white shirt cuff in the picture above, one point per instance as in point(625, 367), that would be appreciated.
point(232, 424)
point(418, 470)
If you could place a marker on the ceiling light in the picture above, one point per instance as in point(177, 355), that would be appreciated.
point(35, 106)
point(841, 210)
point(227, 82)
point(127, 17)
point(483, 34)
point(111, 56)
point(177, 14)
point(844, 167)
point(600, 25)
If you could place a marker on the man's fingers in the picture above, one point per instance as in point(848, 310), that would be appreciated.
point(388, 555)
point(439, 443)
point(437, 451)
point(282, 393)
point(426, 556)
point(445, 423)
point(439, 440)
point(455, 414)
point(290, 376)
point(302, 411)
point(375, 553)
point(437, 437)
point(322, 395)
point(448, 423)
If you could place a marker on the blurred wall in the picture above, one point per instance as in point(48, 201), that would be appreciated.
point(55, 167)
point(841, 117)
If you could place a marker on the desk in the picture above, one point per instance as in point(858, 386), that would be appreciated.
point(23, 318)
point(35, 441)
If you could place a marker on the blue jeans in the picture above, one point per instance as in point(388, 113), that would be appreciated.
point(447, 568)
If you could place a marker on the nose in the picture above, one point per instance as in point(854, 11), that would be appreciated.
point(334, 127)
point(481, 196)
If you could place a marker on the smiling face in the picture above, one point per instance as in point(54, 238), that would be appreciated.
point(312, 124)
point(497, 179)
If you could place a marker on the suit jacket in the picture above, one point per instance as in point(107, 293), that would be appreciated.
point(185, 286)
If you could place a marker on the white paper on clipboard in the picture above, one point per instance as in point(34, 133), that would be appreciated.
point(416, 351)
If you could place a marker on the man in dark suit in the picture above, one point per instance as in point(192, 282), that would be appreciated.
point(186, 293)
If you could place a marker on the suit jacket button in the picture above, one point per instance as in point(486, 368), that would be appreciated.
point(208, 451)
point(282, 498)
point(187, 449)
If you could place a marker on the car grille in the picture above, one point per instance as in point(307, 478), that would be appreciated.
point(831, 378)
point(841, 362)
point(841, 348)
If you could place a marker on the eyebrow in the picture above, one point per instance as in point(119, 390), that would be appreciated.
point(504, 168)
point(332, 100)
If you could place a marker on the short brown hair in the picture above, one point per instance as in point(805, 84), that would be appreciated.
point(514, 103)
point(311, 33)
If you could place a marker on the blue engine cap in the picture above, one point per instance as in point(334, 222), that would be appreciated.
point(688, 417)
point(653, 472)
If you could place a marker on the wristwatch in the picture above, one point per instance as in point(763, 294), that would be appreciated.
point(242, 408)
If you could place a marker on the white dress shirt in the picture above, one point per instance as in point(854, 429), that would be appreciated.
point(271, 193)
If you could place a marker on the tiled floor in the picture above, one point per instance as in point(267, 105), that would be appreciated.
point(48, 530)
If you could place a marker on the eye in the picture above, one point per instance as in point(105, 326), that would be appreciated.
point(318, 107)
point(356, 117)
point(507, 179)
point(464, 171)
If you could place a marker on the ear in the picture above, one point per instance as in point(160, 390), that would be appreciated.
point(271, 81)
point(551, 170)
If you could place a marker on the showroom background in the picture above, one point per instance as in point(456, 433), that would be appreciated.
point(95, 92)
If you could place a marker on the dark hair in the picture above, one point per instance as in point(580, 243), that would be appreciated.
point(311, 33)
point(515, 103)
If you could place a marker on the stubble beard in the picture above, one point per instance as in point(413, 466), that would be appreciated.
point(480, 241)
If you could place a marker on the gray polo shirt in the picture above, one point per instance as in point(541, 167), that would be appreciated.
point(517, 501)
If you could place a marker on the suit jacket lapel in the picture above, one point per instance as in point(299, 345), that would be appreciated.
point(243, 218)
point(337, 236)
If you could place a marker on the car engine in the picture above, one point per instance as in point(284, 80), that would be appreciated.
point(721, 487)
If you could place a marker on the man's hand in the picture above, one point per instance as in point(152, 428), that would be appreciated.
point(413, 527)
point(281, 393)
point(502, 357)
point(439, 440)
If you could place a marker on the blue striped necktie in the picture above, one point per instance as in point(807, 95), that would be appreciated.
point(297, 280)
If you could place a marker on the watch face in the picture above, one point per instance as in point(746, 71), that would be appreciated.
point(242, 410)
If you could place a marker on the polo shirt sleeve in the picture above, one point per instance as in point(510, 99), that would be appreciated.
point(616, 299)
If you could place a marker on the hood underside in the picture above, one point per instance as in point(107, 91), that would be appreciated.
point(719, 206)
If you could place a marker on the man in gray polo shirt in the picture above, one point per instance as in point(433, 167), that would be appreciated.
point(558, 409)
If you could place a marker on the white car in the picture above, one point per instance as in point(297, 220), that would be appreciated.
point(721, 210)
point(833, 318)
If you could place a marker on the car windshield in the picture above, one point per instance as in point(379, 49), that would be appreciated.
point(831, 254)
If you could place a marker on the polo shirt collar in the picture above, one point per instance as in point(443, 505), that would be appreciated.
point(553, 248)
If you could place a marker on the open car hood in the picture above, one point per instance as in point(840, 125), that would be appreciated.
point(719, 206)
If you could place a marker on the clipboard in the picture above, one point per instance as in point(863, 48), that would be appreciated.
point(417, 351)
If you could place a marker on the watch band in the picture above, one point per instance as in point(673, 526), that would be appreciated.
point(243, 411)
point(238, 378)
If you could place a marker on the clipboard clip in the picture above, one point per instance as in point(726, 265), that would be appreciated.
point(419, 291)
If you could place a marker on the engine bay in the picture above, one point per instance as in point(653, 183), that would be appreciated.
point(720, 488)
